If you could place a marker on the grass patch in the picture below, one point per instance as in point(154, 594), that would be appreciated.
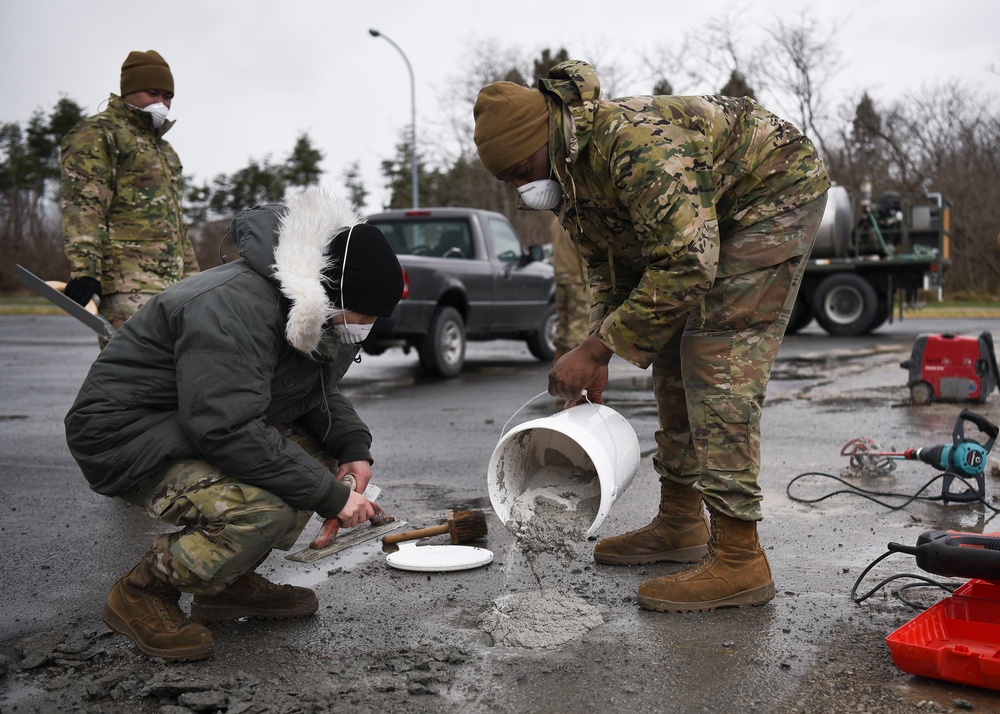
point(27, 305)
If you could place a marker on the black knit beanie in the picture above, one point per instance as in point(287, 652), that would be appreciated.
point(368, 278)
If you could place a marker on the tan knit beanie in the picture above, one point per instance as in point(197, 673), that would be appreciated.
point(146, 70)
point(512, 123)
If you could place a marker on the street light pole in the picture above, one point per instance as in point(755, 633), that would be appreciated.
point(413, 111)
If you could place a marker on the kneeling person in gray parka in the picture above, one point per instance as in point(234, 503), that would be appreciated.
point(216, 408)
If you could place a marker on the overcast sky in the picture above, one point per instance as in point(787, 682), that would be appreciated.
point(252, 75)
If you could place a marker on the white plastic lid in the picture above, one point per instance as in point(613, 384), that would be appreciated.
point(438, 558)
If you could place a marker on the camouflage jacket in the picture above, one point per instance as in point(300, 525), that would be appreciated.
point(121, 203)
point(567, 265)
point(657, 187)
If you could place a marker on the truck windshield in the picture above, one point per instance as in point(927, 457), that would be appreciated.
point(435, 238)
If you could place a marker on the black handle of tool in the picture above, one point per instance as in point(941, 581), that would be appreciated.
point(956, 554)
point(982, 423)
point(969, 495)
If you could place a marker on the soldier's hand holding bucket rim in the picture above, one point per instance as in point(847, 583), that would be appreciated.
point(584, 367)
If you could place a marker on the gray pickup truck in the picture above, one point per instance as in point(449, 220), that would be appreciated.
point(466, 277)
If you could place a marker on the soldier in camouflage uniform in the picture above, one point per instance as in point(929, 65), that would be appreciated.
point(125, 235)
point(695, 216)
point(216, 408)
point(572, 292)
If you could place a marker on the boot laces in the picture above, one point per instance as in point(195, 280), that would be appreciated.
point(168, 611)
point(708, 559)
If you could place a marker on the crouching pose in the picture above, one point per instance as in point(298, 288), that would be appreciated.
point(216, 408)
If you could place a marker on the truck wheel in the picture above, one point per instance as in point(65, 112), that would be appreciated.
point(442, 349)
point(800, 317)
point(542, 344)
point(845, 304)
point(882, 314)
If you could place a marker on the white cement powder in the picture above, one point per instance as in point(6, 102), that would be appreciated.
point(552, 516)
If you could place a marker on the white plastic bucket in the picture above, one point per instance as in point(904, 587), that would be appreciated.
point(592, 438)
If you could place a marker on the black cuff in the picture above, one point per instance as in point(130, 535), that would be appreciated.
point(81, 290)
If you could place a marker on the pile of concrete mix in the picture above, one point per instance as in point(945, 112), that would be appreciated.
point(538, 620)
point(551, 516)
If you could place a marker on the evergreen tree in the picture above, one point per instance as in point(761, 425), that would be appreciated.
point(260, 181)
point(303, 165)
point(737, 86)
point(356, 191)
point(663, 87)
point(548, 60)
point(29, 188)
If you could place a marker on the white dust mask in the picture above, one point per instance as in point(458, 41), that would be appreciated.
point(352, 334)
point(158, 111)
point(542, 195)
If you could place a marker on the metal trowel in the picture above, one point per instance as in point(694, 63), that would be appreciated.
point(327, 541)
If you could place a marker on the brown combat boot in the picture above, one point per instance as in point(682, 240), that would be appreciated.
point(144, 608)
point(734, 573)
point(253, 595)
point(678, 534)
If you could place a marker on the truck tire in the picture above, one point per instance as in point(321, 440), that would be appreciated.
point(442, 349)
point(845, 304)
point(882, 314)
point(542, 344)
point(800, 317)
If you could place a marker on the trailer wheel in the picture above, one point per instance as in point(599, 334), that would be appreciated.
point(800, 317)
point(442, 349)
point(845, 304)
point(882, 314)
point(542, 344)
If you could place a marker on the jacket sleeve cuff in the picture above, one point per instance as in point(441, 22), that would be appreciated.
point(335, 500)
point(353, 446)
point(356, 451)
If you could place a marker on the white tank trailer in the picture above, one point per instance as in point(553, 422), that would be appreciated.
point(871, 256)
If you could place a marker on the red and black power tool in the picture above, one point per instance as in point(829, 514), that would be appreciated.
point(952, 368)
point(956, 554)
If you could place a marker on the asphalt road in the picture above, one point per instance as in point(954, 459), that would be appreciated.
point(388, 640)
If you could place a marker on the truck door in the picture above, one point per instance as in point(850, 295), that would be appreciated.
point(522, 287)
point(454, 254)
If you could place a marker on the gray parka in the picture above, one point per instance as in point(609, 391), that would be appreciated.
point(208, 366)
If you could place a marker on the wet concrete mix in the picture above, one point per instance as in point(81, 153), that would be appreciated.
point(551, 517)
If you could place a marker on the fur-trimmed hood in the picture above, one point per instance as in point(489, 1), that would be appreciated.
point(287, 243)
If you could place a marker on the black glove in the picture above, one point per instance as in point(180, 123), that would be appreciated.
point(80, 290)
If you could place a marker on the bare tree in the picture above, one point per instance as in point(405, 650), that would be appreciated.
point(870, 147)
point(943, 140)
point(803, 61)
point(707, 59)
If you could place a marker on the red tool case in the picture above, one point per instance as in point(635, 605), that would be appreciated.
point(957, 639)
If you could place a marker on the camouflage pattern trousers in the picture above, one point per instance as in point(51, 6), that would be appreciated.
point(710, 380)
point(573, 314)
point(118, 307)
point(227, 526)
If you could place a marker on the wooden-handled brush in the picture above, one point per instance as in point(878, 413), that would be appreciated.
point(462, 526)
